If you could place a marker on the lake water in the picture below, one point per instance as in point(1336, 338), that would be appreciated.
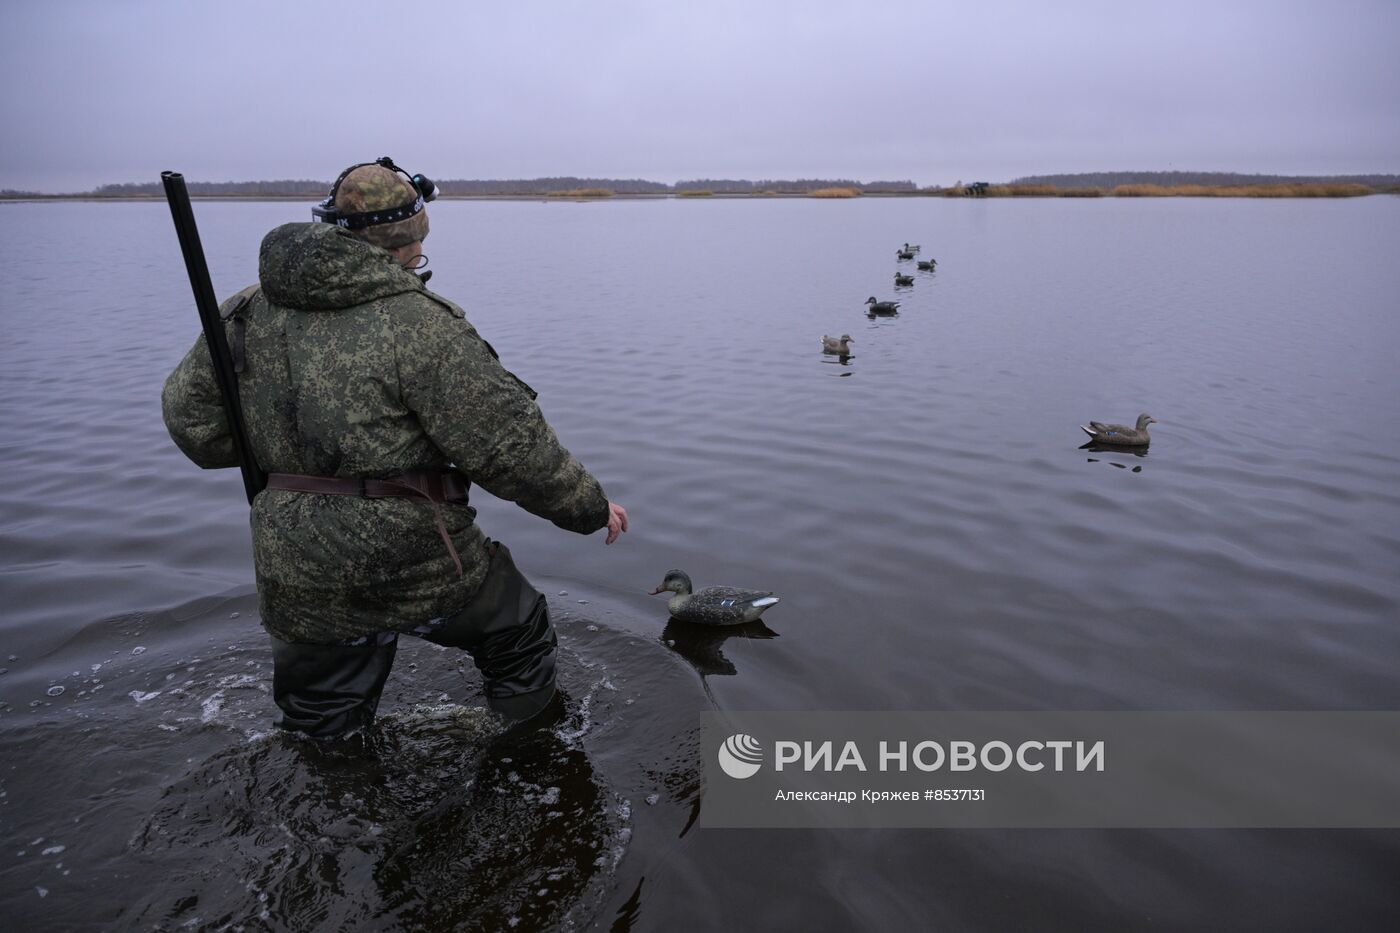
point(923, 508)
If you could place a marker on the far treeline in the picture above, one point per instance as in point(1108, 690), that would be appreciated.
point(1095, 184)
point(511, 187)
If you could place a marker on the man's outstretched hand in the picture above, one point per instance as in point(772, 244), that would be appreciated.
point(617, 522)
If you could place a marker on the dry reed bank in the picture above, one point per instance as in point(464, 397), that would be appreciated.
point(1299, 190)
point(582, 193)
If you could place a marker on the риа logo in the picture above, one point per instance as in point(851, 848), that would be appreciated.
point(741, 756)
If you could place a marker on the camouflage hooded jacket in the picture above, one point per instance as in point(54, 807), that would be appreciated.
point(353, 369)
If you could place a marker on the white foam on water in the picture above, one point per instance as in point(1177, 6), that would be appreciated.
point(140, 697)
point(240, 681)
point(570, 737)
point(623, 809)
point(211, 706)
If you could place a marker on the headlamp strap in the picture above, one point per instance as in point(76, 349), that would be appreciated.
point(327, 212)
point(372, 218)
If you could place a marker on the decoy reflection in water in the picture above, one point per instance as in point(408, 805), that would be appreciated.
point(927, 265)
point(1094, 447)
point(702, 645)
point(841, 345)
point(903, 279)
point(714, 605)
point(1121, 466)
point(881, 307)
point(1118, 435)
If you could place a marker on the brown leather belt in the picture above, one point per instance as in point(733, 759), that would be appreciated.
point(434, 486)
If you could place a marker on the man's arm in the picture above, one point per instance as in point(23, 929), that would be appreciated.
point(487, 422)
point(194, 412)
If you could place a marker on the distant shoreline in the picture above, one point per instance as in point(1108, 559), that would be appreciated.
point(574, 188)
point(1291, 191)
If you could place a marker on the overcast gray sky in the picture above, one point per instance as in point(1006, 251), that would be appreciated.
point(101, 91)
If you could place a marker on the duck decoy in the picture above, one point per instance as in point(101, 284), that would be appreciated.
point(714, 605)
point(903, 279)
point(903, 254)
point(1119, 435)
point(882, 307)
point(911, 249)
point(841, 345)
point(927, 264)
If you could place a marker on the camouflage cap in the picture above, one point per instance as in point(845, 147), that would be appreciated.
point(376, 188)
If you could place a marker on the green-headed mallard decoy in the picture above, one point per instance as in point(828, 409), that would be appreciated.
point(908, 248)
point(841, 345)
point(714, 605)
point(927, 265)
point(1120, 435)
point(882, 307)
point(903, 254)
point(903, 279)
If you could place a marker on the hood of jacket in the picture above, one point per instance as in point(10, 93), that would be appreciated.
point(320, 267)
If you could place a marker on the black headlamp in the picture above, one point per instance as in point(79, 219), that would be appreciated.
point(327, 212)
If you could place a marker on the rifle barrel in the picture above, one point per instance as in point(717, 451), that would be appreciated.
point(180, 211)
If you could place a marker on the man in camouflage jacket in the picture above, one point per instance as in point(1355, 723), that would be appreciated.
point(349, 367)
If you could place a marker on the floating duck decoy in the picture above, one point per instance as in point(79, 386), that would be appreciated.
point(714, 605)
point(927, 264)
point(903, 254)
point(1119, 435)
point(911, 249)
point(903, 279)
point(841, 345)
point(882, 307)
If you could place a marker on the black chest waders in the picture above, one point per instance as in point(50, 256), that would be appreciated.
point(327, 690)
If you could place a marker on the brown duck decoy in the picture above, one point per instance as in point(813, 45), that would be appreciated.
point(841, 345)
point(1120, 435)
point(714, 605)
